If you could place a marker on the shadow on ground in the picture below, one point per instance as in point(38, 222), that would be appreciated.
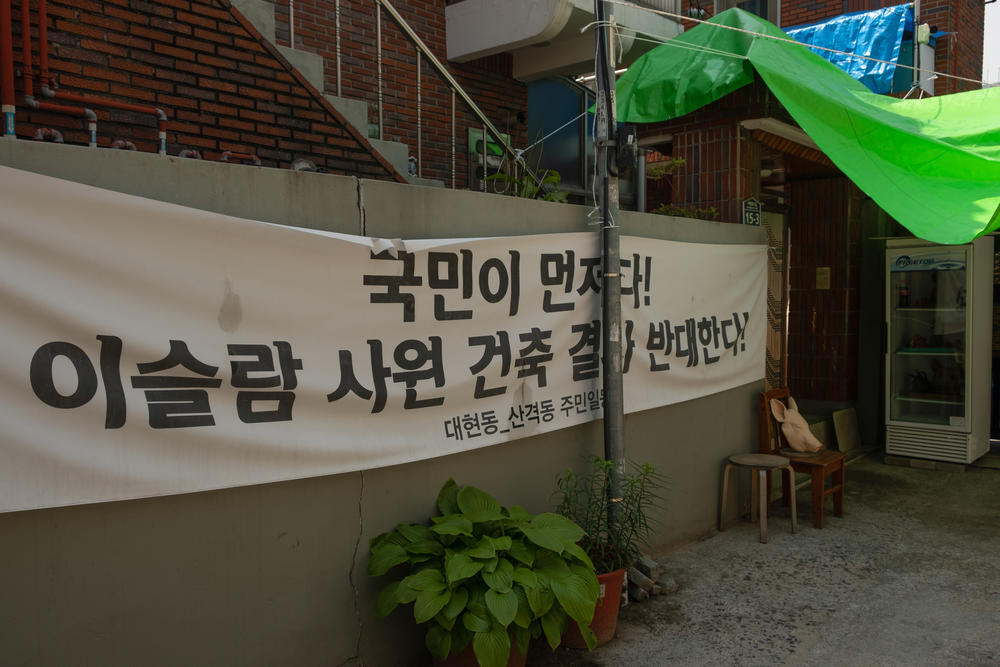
point(909, 576)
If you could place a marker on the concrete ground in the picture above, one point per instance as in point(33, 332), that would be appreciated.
point(909, 576)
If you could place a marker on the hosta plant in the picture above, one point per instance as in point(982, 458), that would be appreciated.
point(481, 573)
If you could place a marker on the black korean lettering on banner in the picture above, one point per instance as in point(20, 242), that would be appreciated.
point(640, 278)
point(493, 346)
point(557, 269)
point(412, 356)
point(453, 428)
point(392, 283)
point(566, 405)
point(533, 356)
point(177, 401)
point(471, 426)
point(586, 352)
point(111, 357)
point(661, 339)
point(349, 383)
point(586, 401)
point(687, 342)
point(708, 338)
point(591, 281)
point(629, 340)
point(264, 363)
point(539, 411)
point(508, 281)
point(490, 422)
point(738, 337)
point(443, 273)
point(515, 417)
point(43, 384)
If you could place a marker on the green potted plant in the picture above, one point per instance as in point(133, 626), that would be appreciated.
point(483, 576)
point(522, 184)
point(612, 545)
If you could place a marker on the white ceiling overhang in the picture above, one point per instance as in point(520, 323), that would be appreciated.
point(548, 37)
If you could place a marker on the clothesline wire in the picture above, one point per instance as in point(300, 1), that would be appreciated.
point(787, 40)
point(691, 47)
point(555, 131)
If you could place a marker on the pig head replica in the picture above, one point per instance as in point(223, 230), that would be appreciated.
point(794, 426)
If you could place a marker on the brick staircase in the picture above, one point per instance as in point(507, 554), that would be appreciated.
point(311, 65)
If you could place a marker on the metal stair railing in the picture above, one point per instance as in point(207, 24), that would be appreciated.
point(490, 132)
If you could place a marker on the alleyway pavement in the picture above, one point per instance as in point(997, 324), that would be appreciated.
point(909, 576)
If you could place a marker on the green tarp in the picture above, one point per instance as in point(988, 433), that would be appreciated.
point(933, 164)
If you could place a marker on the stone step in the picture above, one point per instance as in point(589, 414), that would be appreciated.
point(311, 65)
point(355, 111)
point(260, 14)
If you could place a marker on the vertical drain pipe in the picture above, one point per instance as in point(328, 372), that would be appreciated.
point(43, 41)
point(378, 41)
point(29, 92)
point(43, 62)
point(7, 69)
point(420, 155)
point(340, 88)
point(453, 175)
point(916, 45)
point(482, 181)
point(291, 23)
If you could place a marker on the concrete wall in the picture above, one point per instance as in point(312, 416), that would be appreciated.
point(275, 573)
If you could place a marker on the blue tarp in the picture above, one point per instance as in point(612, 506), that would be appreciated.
point(876, 34)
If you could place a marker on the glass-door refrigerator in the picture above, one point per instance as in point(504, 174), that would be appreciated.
point(939, 317)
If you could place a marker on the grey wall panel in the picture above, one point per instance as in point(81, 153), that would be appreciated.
point(275, 574)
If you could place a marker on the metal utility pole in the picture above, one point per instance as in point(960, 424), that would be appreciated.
point(916, 44)
point(611, 300)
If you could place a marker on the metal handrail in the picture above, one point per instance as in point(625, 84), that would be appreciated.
point(455, 87)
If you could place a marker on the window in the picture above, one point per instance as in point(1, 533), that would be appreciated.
point(570, 150)
point(766, 9)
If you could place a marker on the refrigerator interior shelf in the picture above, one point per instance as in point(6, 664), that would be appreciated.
point(940, 399)
point(932, 351)
point(929, 310)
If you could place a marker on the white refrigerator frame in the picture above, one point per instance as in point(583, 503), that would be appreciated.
point(963, 440)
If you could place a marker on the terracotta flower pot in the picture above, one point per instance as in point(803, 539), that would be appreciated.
point(467, 658)
point(605, 615)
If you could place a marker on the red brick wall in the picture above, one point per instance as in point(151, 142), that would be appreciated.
point(488, 81)
point(717, 170)
point(224, 90)
point(960, 53)
point(721, 164)
point(220, 87)
point(823, 323)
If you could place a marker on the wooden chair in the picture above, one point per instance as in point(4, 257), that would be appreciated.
point(820, 465)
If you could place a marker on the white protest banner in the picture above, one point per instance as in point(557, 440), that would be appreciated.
point(153, 349)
